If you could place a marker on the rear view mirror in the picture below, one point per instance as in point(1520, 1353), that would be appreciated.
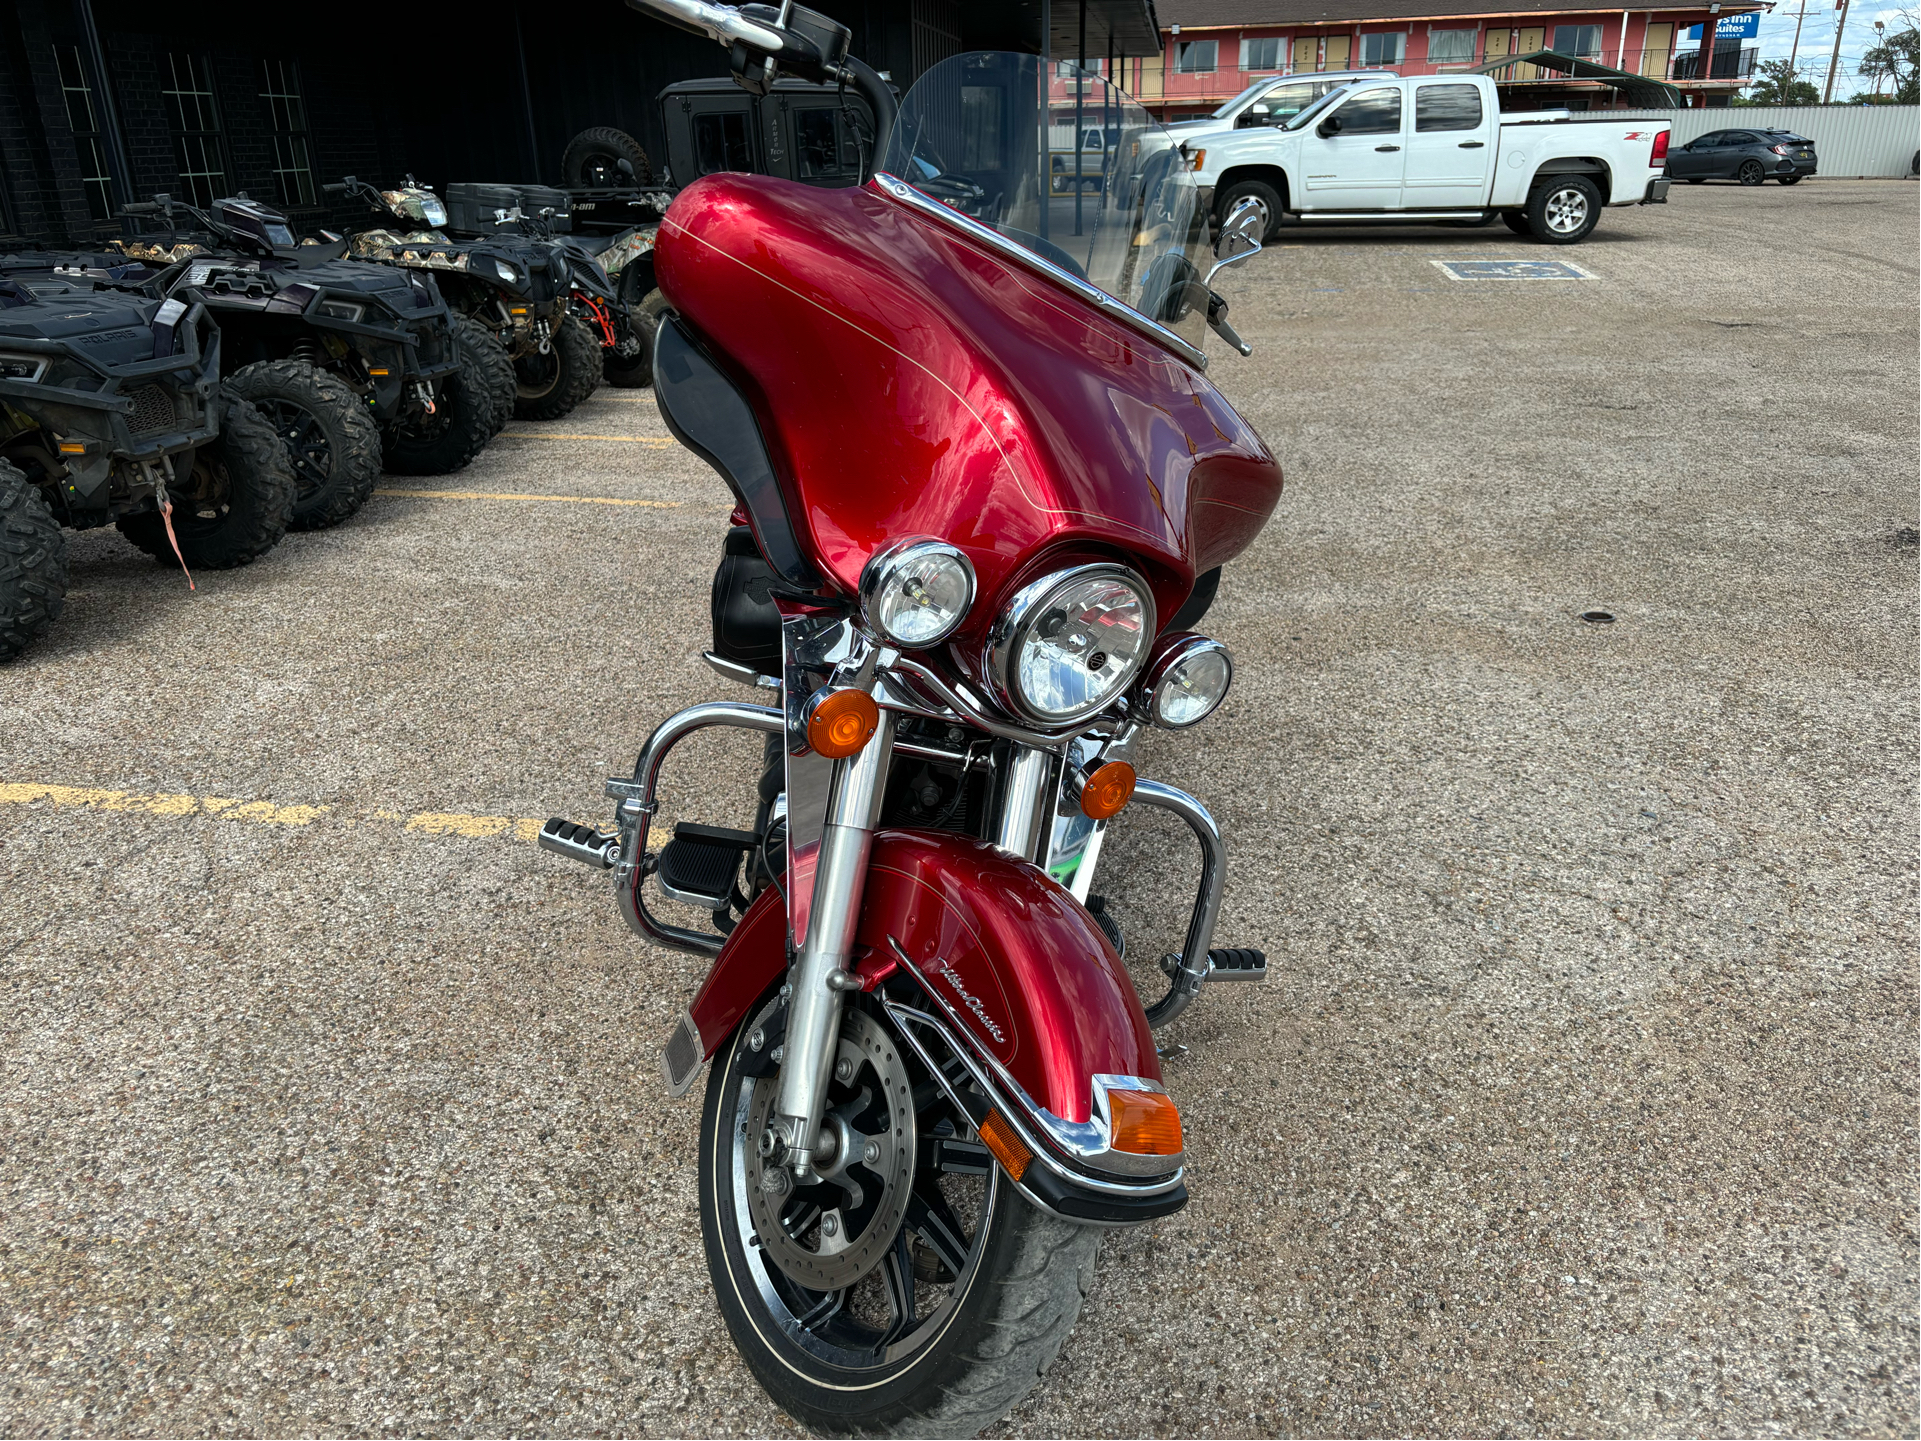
point(1328, 127)
point(1241, 234)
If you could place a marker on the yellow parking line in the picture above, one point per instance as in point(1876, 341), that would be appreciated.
point(266, 813)
point(525, 495)
point(656, 440)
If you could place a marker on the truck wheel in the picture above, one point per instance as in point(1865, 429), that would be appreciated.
point(489, 357)
point(1267, 201)
point(232, 498)
point(1564, 209)
point(33, 563)
point(332, 442)
point(457, 431)
point(1751, 173)
point(645, 320)
point(1516, 220)
point(592, 159)
point(550, 385)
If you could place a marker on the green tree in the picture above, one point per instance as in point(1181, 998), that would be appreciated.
point(1897, 58)
point(1777, 84)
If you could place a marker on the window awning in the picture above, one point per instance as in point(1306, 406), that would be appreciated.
point(1649, 94)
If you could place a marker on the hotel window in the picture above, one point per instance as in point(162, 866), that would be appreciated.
point(292, 165)
point(1450, 47)
point(88, 144)
point(1383, 49)
point(196, 129)
point(1196, 57)
point(1582, 41)
point(1263, 54)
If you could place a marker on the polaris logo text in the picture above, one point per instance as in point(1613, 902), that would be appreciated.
point(972, 1002)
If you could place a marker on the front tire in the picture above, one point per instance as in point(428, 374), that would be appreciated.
point(232, 498)
point(1751, 173)
point(331, 441)
point(476, 345)
point(457, 431)
point(992, 1285)
point(33, 563)
point(1564, 210)
point(1268, 200)
point(551, 385)
point(644, 319)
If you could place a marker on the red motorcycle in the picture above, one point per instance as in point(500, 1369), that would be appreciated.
point(977, 462)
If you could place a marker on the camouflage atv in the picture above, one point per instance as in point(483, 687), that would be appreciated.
point(516, 285)
point(358, 368)
point(112, 412)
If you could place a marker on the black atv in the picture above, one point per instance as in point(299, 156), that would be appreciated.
point(112, 410)
point(610, 277)
point(356, 366)
point(516, 285)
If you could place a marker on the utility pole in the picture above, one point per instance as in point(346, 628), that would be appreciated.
point(1827, 96)
point(1795, 48)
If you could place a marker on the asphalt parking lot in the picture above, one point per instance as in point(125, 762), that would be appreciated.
point(1581, 1099)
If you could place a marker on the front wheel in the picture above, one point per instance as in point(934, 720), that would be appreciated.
point(232, 498)
point(1564, 210)
point(1751, 173)
point(1267, 205)
point(552, 383)
point(332, 442)
point(462, 422)
point(643, 321)
point(913, 1291)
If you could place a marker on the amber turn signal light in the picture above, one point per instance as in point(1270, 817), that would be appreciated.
point(841, 723)
point(1144, 1123)
point(1007, 1147)
point(1107, 792)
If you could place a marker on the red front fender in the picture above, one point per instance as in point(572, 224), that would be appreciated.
point(1015, 956)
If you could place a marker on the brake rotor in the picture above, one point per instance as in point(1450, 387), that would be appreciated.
point(830, 1233)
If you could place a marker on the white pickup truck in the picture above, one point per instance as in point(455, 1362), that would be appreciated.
point(1384, 147)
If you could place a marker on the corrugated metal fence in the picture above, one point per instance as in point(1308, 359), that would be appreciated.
point(1872, 140)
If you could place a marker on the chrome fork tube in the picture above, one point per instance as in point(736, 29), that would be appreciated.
point(813, 1014)
point(1026, 802)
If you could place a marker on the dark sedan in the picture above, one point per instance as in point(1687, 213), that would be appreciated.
point(1752, 157)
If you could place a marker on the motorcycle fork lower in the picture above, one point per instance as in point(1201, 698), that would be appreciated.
point(820, 968)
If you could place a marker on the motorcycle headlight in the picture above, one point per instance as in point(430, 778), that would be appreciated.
point(506, 272)
point(916, 591)
point(1186, 682)
point(1069, 643)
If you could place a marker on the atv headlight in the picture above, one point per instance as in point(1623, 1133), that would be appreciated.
point(1187, 680)
point(1068, 644)
point(22, 367)
point(915, 591)
point(506, 272)
point(342, 310)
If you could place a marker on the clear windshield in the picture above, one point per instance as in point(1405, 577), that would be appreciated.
point(1060, 162)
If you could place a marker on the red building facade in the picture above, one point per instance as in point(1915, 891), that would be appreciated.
point(1214, 49)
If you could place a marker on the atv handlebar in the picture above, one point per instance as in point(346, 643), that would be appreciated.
point(724, 23)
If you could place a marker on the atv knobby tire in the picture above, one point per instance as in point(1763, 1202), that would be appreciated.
point(33, 564)
point(589, 159)
point(457, 431)
point(232, 498)
point(476, 343)
point(331, 440)
point(550, 385)
point(644, 318)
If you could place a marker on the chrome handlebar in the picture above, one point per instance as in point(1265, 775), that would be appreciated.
point(723, 23)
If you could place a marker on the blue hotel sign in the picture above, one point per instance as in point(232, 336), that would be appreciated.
point(1746, 27)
